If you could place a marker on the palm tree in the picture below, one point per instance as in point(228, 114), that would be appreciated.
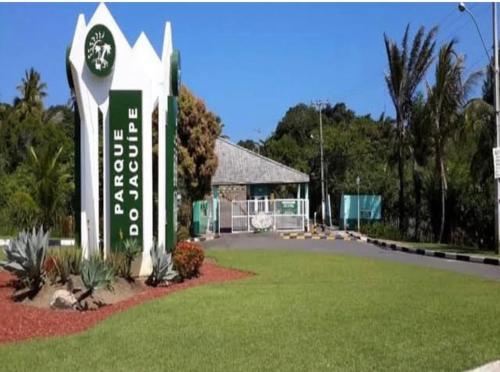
point(420, 148)
point(407, 68)
point(32, 91)
point(446, 100)
point(50, 183)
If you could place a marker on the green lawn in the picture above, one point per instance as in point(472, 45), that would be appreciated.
point(301, 312)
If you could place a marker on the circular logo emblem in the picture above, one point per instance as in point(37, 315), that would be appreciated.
point(100, 50)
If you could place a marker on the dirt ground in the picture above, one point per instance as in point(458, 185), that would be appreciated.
point(121, 290)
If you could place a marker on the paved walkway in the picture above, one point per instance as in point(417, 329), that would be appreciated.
point(355, 248)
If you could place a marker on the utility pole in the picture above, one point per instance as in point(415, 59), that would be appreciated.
point(497, 124)
point(257, 130)
point(463, 8)
point(359, 213)
point(319, 104)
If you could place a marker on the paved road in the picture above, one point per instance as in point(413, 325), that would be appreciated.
point(355, 248)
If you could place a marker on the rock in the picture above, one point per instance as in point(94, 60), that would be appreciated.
point(63, 299)
point(93, 303)
point(490, 367)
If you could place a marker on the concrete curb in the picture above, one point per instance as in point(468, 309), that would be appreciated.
point(357, 236)
point(52, 242)
point(203, 238)
point(311, 236)
point(431, 253)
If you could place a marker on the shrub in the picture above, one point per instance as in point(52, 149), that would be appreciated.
point(188, 258)
point(380, 230)
point(63, 262)
point(25, 258)
point(23, 210)
point(163, 271)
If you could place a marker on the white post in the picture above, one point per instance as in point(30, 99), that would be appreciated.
point(248, 215)
point(274, 214)
point(497, 123)
point(302, 208)
point(232, 215)
point(307, 214)
point(307, 205)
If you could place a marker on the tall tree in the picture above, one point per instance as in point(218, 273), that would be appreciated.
point(420, 148)
point(32, 91)
point(198, 130)
point(407, 67)
point(445, 99)
point(250, 145)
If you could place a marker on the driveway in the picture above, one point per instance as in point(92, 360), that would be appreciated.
point(273, 241)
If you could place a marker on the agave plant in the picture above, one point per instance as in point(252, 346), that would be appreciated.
point(95, 274)
point(25, 257)
point(131, 249)
point(163, 271)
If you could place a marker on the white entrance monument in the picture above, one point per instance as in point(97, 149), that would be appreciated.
point(118, 87)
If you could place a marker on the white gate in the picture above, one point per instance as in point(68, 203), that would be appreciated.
point(286, 214)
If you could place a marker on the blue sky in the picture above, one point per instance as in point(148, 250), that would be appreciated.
point(249, 62)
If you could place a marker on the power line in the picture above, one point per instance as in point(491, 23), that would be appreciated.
point(449, 35)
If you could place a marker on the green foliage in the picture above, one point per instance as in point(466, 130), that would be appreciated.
point(131, 250)
point(50, 181)
point(163, 271)
point(95, 274)
point(381, 230)
point(22, 210)
point(25, 257)
point(250, 145)
point(32, 90)
point(25, 125)
point(407, 68)
point(353, 145)
point(63, 262)
point(118, 262)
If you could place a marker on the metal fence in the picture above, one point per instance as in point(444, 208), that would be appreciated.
point(285, 214)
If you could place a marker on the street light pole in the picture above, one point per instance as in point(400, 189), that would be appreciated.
point(320, 104)
point(497, 124)
point(322, 168)
point(496, 98)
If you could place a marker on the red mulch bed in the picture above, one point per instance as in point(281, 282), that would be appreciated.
point(19, 321)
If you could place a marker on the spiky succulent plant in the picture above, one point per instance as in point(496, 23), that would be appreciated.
point(131, 250)
point(25, 257)
point(95, 274)
point(163, 267)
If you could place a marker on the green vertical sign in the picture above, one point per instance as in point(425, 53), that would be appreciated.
point(125, 165)
point(171, 154)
